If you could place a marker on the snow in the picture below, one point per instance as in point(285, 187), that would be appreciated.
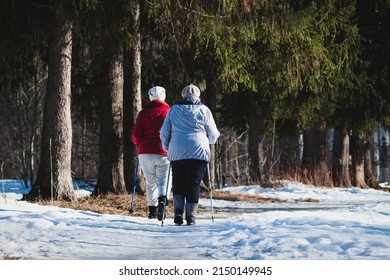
point(322, 224)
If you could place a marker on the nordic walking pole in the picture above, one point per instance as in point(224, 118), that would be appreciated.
point(131, 210)
point(166, 196)
point(211, 193)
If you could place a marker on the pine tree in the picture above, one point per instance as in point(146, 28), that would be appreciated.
point(54, 179)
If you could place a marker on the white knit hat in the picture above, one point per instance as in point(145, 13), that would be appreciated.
point(191, 90)
point(157, 93)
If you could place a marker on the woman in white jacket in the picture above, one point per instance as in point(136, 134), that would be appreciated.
point(187, 133)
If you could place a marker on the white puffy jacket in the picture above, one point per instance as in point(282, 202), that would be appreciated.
point(188, 130)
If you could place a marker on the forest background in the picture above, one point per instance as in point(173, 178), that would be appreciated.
point(299, 89)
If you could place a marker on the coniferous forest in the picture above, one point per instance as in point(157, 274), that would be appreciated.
point(300, 90)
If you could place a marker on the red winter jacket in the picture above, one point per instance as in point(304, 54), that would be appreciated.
point(146, 130)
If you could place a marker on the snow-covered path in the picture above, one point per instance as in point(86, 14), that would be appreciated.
point(345, 224)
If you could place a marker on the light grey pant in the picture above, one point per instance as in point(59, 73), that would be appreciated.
point(155, 169)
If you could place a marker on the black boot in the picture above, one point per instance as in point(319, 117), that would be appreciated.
point(178, 220)
point(191, 210)
point(190, 220)
point(162, 203)
point(178, 205)
point(152, 212)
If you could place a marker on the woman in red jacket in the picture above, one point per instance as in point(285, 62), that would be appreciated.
point(151, 155)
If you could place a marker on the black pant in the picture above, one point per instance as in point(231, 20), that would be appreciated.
point(187, 174)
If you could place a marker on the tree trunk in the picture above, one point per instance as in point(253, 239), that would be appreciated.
point(235, 158)
point(54, 179)
point(287, 161)
point(341, 159)
point(375, 144)
point(110, 171)
point(255, 147)
point(357, 151)
point(368, 170)
point(132, 102)
point(314, 165)
point(384, 155)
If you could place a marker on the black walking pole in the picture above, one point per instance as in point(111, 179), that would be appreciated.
point(166, 196)
point(211, 192)
point(131, 208)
